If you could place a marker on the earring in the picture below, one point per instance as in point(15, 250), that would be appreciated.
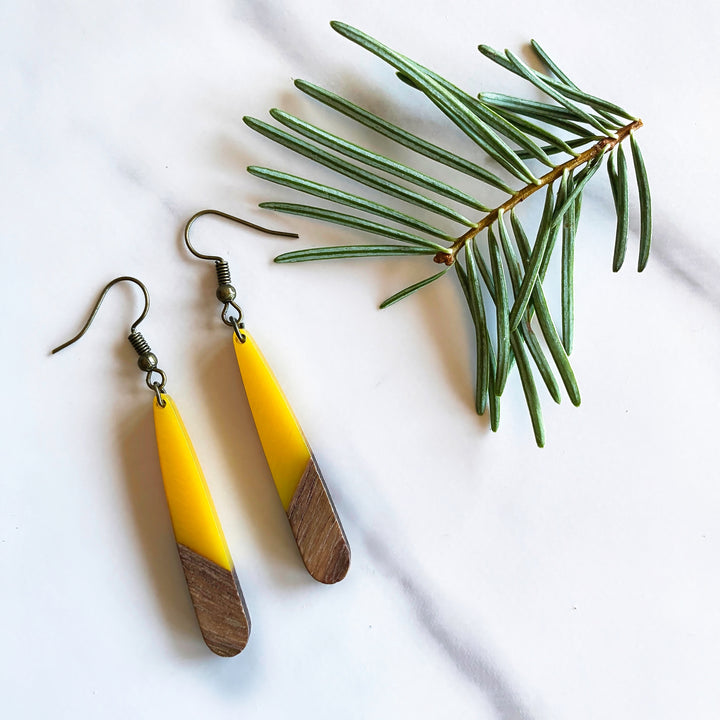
point(313, 518)
point(209, 570)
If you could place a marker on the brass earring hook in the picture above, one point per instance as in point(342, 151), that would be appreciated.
point(227, 216)
point(104, 292)
point(226, 292)
point(147, 361)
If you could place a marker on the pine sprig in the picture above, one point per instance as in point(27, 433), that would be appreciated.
point(582, 129)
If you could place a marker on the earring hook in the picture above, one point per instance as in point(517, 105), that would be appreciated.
point(219, 213)
point(225, 292)
point(104, 292)
point(147, 360)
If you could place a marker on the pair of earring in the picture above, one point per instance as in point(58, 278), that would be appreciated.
point(208, 566)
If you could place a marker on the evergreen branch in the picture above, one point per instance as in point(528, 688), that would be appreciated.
point(486, 116)
point(538, 356)
point(510, 258)
point(645, 210)
point(567, 299)
point(476, 130)
point(353, 172)
point(536, 258)
point(491, 121)
point(619, 186)
point(592, 167)
point(547, 326)
point(556, 144)
point(493, 396)
point(354, 222)
point(411, 289)
point(529, 390)
point(482, 374)
point(605, 108)
point(557, 218)
point(402, 137)
point(343, 198)
point(374, 160)
point(348, 251)
point(549, 86)
point(608, 109)
point(502, 317)
point(552, 65)
point(607, 143)
point(529, 336)
point(484, 270)
point(549, 89)
point(557, 115)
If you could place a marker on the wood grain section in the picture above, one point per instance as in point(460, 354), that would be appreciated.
point(218, 601)
point(317, 529)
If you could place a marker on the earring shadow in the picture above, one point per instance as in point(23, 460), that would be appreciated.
point(234, 426)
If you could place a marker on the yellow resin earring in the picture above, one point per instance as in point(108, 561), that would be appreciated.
point(312, 515)
point(209, 570)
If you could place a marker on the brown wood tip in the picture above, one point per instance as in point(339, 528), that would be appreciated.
point(218, 601)
point(317, 529)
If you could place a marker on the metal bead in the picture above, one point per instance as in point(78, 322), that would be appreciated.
point(225, 293)
point(147, 362)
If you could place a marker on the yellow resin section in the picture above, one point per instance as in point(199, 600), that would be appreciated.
point(192, 511)
point(286, 450)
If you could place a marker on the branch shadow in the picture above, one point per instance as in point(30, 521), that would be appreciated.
point(441, 308)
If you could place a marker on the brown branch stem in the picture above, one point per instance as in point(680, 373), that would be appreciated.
point(607, 143)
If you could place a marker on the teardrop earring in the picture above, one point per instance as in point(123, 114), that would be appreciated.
point(312, 515)
point(209, 570)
